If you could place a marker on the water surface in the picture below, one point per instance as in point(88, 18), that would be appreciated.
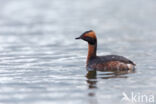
point(42, 63)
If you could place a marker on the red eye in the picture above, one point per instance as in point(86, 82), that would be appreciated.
point(84, 36)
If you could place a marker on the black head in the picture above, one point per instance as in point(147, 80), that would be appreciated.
point(88, 36)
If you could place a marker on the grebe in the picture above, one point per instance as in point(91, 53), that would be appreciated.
point(103, 63)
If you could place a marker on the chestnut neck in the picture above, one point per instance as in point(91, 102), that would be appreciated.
point(91, 51)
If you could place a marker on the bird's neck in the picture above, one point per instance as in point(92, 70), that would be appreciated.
point(91, 51)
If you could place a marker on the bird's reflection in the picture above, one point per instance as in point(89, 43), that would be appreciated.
point(92, 80)
point(92, 86)
point(107, 74)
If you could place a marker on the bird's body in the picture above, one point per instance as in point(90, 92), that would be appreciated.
point(103, 63)
point(110, 63)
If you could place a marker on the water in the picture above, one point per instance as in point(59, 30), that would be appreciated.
point(42, 63)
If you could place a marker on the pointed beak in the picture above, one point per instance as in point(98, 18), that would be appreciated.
point(78, 38)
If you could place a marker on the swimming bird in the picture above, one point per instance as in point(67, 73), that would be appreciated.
point(103, 63)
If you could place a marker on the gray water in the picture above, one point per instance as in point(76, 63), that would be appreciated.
point(42, 63)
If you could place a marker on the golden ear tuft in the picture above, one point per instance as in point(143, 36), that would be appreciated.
point(90, 34)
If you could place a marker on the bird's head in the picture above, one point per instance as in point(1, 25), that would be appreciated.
point(89, 36)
